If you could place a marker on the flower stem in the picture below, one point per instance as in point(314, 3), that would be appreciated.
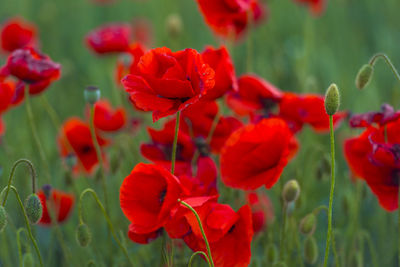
point(103, 210)
point(283, 229)
point(175, 143)
point(19, 244)
point(388, 62)
point(210, 259)
point(195, 254)
point(99, 156)
point(329, 232)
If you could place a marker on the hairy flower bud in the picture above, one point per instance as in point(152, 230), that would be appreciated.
point(310, 250)
point(174, 25)
point(308, 224)
point(3, 219)
point(83, 235)
point(33, 208)
point(92, 94)
point(364, 76)
point(332, 99)
point(291, 191)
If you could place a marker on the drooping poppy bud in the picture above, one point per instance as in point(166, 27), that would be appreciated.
point(310, 250)
point(174, 25)
point(291, 191)
point(3, 219)
point(364, 76)
point(332, 99)
point(308, 224)
point(92, 94)
point(83, 235)
point(33, 208)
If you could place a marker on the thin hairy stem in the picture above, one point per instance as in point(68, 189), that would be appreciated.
point(388, 62)
point(175, 143)
point(283, 229)
point(195, 254)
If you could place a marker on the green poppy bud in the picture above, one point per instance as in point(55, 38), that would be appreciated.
point(364, 76)
point(92, 94)
point(308, 224)
point(272, 253)
point(83, 235)
point(310, 250)
point(174, 25)
point(291, 191)
point(33, 208)
point(27, 260)
point(332, 99)
point(3, 219)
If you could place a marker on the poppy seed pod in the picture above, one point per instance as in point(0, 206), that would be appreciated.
point(364, 76)
point(272, 253)
point(3, 219)
point(332, 99)
point(83, 235)
point(308, 224)
point(33, 208)
point(310, 250)
point(291, 191)
point(92, 94)
point(27, 260)
point(174, 25)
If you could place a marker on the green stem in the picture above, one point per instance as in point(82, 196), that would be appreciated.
point(19, 244)
point(33, 176)
point(28, 227)
point(388, 62)
point(195, 254)
point(283, 229)
point(99, 156)
point(335, 254)
point(329, 232)
point(110, 225)
point(31, 120)
point(210, 259)
point(371, 247)
point(52, 113)
point(175, 143)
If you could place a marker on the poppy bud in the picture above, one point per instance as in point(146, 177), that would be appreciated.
point(92, 94)
point(202, 146)
point(3, 219)
point(310, 250)
point(291, 191)
point(174, 25)
point(364, 76)
point(27, 260)
point(83, 235)
point(332, 99)
point(71, 161)
point(272, 253)
point(33, 208)
point(308, 224)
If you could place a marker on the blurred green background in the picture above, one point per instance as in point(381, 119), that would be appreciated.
point(291, 49)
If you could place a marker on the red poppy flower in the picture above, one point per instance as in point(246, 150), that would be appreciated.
point(106, 118)
point(16, 34)
point(109, 38)
point(256, 154)
point(234, 248)
point(298, 110)
point(220, 61)
point(147, 197)
point(169, 81)
point(231, 17)
point(127, 62)
point(316, 6)
point(59, 202)
point(2, 127)
point(7, 91)
point(254, 94)
point(262, 210)
point(375, 159)
point(143, 238)
point(387, 114)
point(75, 137)
point(33, 68)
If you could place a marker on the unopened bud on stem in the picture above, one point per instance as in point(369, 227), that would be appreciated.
point(332, 99)
point(364, 76)
point(291, 191)
point(33, 208)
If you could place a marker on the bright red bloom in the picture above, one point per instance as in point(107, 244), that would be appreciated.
point(234, 248)
point(387, 114)
point(231, 17)
point(262, 211)
point(59, 202)
point(298, 110)
point(2, 127)
point(7, 90)
point(106, 118)
point(143, 238)
point(316, 6)
point(16, 34)
point(75, 137)
point(147, 197)
point(256, 154)
point(254, 94)
point(169, 81)
point(376, 160)
point(109, 38)
point(127, 62)
point(225, 78)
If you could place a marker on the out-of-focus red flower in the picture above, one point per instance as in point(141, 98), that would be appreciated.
point(254, 94)
point(234, 248)
point(17, 33)
point(110, 38)
point(34, 68)
point(374, 157)
point(298, 110)
point(106, 118)
point(256, 154)
point(225, 79)
point(143, 238)
point(231, 17)
point(59, 203)
point(2, 127)
point(385, 115)
point(7, 90)
point(75, 137)
point(127, 62)
point(169, 81)
point(316, 6)
point(262, 211)
point(147, 197)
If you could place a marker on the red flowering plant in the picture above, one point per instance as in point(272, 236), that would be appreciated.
point(107, 119)
point(128, 62)
point(109, 38)
point(16, 33)
point(262, 211)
